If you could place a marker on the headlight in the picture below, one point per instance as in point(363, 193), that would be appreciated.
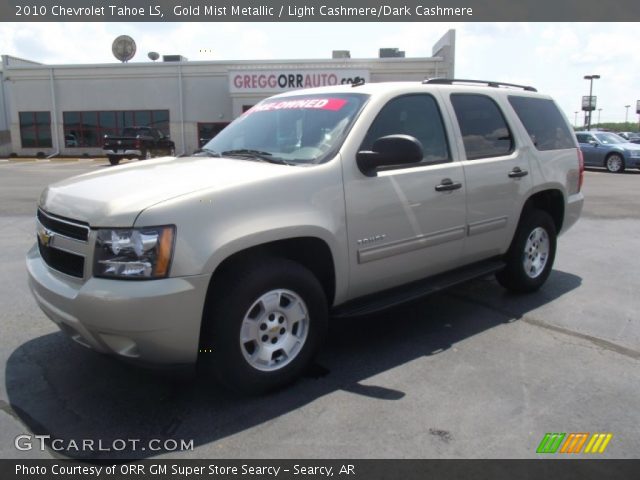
point(135, 253)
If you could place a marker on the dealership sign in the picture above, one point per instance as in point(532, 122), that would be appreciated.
point(259, 81)
point(589, 103)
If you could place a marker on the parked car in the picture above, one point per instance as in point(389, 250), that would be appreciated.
point(340, 201)
point(634, 138)
point(137, 142)
point(70, 140)
point(608, 150)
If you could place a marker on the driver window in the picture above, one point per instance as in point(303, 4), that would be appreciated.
point(417, 116)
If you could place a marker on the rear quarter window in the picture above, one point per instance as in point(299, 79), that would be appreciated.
point(544, 123)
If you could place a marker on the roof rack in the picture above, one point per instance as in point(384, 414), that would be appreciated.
point(488, 83)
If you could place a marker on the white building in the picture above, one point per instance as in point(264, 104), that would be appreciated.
point(67, 109)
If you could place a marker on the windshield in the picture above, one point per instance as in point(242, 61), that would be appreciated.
point(298, 129)
point(609, 138)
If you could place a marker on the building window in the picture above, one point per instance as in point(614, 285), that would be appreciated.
point(206, 131)
point(87, 129)
point(35, 129)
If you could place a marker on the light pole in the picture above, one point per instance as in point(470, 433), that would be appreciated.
point(626, 114)
point(599, 110)
point(575, 119)
point(591, 78)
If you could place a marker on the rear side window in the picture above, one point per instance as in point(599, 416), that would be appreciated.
point(485, 132)
point(416, 115)
point(543, 121)
point(583, 138)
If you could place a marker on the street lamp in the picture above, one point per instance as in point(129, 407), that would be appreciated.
point(591, 78)
point(626, 114)
point(599, 110)
point(575, 119)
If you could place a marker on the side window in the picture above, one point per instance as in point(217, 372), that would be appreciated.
point(582, 138)
point(543, 121)
point(485, 132)
point(415, 115)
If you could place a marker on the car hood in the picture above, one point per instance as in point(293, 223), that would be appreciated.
point(115, 196)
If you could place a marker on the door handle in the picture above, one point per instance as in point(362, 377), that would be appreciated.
point(517, 173)
point(447, 185)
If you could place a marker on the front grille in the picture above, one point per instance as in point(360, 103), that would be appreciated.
point(59, 243)
point(64, 262)
point(65, 227)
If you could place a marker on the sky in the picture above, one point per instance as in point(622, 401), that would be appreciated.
point(553, 57)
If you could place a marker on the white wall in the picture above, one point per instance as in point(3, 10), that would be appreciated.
point(206, 95)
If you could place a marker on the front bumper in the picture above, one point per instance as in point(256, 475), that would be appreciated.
point(632, 162)
point(147, 321)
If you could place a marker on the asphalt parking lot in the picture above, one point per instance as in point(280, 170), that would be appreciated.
point(473, 372)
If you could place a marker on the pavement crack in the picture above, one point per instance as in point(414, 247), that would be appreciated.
point(599, 342)
point(64, 402)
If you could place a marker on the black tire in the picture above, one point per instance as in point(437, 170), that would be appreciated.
point(614, 163)
point(145, 154)
point(113, 160)
point(238, 300)
point(530, 257)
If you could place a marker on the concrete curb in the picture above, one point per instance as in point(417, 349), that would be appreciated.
point(52, 160)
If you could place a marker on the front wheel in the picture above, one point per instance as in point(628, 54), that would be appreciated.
point(615, 163)
point(531, 255)
point(113, 160)
point(264, 325)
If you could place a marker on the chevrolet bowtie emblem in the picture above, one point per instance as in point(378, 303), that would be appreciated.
point(45, 235)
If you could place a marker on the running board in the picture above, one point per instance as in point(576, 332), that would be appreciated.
point(380, 301)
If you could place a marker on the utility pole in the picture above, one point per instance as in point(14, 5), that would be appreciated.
point(592, 107)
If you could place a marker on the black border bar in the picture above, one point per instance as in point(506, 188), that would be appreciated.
point(556, 469)
point(318, 10)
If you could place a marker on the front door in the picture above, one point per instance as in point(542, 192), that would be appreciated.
point(408, 221)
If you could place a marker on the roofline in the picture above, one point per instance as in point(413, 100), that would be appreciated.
point(327, 61)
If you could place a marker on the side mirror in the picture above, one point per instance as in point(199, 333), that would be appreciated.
point(593, 143)
point(389, 150)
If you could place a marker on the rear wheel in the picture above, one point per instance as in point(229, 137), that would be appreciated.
point(531, 255)
point(614, 163)
point(265, 324)
point(113, 160)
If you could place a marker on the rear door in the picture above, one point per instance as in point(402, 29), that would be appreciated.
point(496, 172)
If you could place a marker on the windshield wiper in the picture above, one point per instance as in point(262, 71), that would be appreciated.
point(208, 152)
point(260, 155)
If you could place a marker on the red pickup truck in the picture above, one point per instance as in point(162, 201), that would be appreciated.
point(137, 142)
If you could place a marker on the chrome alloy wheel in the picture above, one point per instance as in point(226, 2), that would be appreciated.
point(614, 163)
point(274, 330)
point(536, 252)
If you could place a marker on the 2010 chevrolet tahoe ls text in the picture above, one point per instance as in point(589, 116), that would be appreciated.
point(334, 201)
